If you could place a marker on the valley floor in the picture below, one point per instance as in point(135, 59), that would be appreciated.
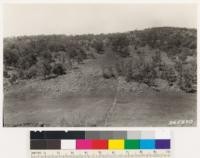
point(156, 109)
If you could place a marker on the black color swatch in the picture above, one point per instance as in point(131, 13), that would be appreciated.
point(58, 135)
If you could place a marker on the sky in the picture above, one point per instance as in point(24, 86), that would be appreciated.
point(71, 19)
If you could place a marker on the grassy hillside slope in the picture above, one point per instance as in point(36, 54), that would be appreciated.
point(98, 80)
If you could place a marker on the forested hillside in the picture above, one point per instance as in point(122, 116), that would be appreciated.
point(145, 56)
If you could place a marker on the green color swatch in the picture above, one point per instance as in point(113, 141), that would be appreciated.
point(132, 144)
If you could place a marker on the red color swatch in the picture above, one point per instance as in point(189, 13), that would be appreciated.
point(100, 144)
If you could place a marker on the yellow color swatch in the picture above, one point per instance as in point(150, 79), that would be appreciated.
point(116, 144)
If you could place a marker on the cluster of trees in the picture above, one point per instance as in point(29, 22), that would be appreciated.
point(34, 56)
point(29, 57)
point(167, 38)
point(137, 69)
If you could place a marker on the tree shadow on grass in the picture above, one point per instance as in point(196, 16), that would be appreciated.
point(50, 77)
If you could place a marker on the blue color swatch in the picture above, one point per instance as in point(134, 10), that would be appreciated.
point(147, 144)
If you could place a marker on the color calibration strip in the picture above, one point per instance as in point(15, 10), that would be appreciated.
point(100, 140)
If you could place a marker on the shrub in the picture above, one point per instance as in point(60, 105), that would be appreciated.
point(109, 72)
point(5, 74)
point(128, 70)
point(106, 73)
point(10, 56)
point(44, 68)
point(138, 70)
point(99, 46)
point(58, 69)
point(120, 44)
point(13, 78)
point(168, 73)
point(148, 74)
point(120, 67)
point(186, 82)
point(157, 61)
point(31, 73)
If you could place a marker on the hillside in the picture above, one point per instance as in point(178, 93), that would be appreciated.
point(101, 80)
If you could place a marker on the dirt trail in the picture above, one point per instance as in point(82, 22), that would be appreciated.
point(110, 111)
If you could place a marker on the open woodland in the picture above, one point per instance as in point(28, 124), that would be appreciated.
point(137, 78)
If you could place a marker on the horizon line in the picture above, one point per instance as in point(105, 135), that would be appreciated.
point(73, 35)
